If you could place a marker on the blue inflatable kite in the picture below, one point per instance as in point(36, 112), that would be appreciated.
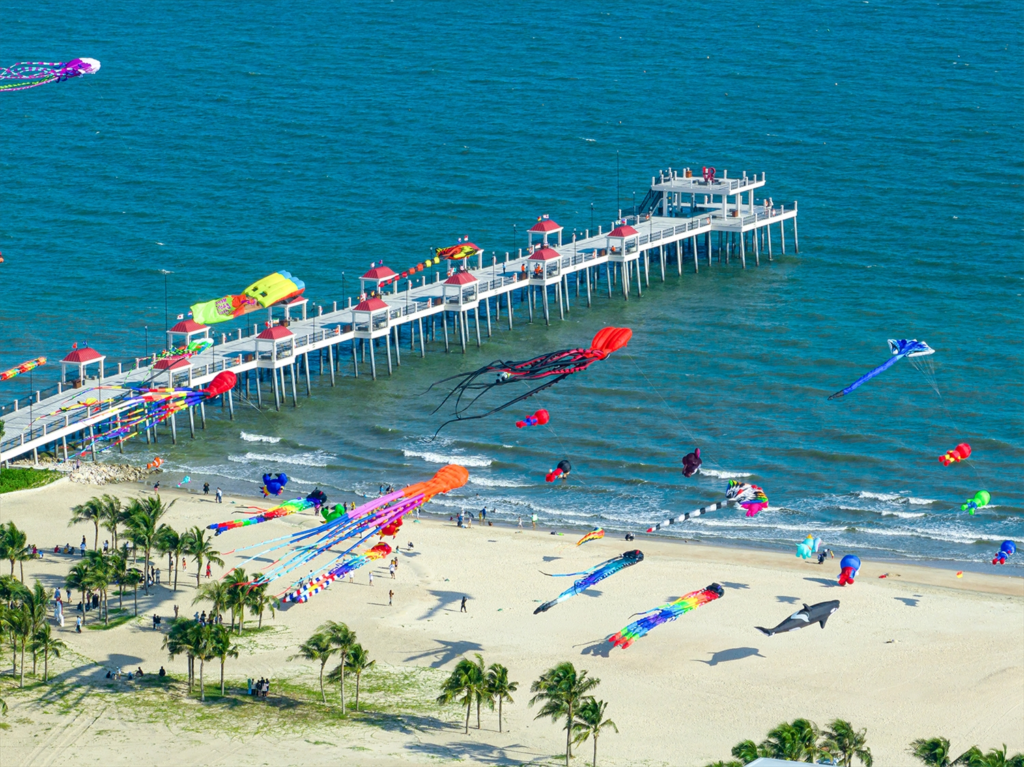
point(274, 485)
point(900, 348)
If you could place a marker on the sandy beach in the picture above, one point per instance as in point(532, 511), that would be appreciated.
point(917, 654)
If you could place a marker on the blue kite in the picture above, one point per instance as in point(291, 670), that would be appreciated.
point(591, 577)
point(900, 348)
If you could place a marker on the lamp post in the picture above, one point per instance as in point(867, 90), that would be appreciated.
point(147, 342)
point(165, 272)
point(515, 238)
point(637, 215)
point(616, 182)
point(592, 227)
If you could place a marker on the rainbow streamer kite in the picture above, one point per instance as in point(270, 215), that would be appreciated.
point(32, 74)
point(24, 367)
point(142, 408)
point(316, 585)
point(667, 612)
point(288, 507)
point(594, 535)
point(592, 576)
point(379, 517)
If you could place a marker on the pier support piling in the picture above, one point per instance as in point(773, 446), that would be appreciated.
point(373, 362)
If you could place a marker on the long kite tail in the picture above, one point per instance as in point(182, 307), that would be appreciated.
point(668, 612)
point(688, 515)
point(868, 376)
point(518, 399)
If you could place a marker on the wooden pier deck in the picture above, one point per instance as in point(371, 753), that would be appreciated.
point(683, 223)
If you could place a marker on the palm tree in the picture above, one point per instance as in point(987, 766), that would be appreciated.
point(179, 641)
point(358, 663)
point(176, 553)
point(500, 686)
point(133, 577)
point(464, 680)
point(101, 574)
point(90, 511)
point(222, 649)
point(111, 516)
point(117, 564)
point(796, 742)
point(14, 546)
point(169, 542)
point(483, 691)
point(216, 593)
point(343, 639)
point(562, 690)
point(143, 523)
point(204, 648)
point(44, 642)
point(258, 601)
point(236, 585)
point(78, 578)
point(590, 721)
point(747, 751)
point(730, 763)
point(934, 752)
point(317, 648)
point(20, 620)
point(973, 757)
point(98, 578)
point(35, 603)
point(843, 742)
point(200, 548)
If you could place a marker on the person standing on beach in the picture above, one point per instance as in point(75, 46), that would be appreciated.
point(220, 496)
point(391, 596)
point(206, 488)
point(534, 521)
point(462, 608)
point(78, 624)
point(371, 579)
point(460, 519)
point(209, 572)
point(391, 569)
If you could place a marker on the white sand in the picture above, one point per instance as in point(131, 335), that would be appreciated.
point(918, 654)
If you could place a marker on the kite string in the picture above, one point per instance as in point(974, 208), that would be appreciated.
point(926, 368)
point(669, 409)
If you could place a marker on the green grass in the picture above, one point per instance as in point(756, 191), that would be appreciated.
point(24, 479)
point(118, 617)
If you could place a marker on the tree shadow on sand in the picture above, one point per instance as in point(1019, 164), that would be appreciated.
point(789, 600)
point(479, 753)
point(446, 652)
point(735, 653)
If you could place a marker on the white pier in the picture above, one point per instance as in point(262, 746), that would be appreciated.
point(683, 221)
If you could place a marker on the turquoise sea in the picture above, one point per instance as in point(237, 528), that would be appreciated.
point(222, 141)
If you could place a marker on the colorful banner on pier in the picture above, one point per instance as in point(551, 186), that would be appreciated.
point(272, 289)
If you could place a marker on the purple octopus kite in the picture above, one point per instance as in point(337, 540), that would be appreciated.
point(30, 74)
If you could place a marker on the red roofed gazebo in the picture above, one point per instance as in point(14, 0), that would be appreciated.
point(187, 329)
point(375, 278)
point(275, 348)
point(461, 295)
point(371, 319)
point(461, 290)
point(81, 359)
point(172, 365)
point(623, 240)
point(543, 229)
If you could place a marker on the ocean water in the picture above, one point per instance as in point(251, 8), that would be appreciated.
point(223, 141)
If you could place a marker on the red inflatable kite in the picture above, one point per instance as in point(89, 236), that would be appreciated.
point(959, 453)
